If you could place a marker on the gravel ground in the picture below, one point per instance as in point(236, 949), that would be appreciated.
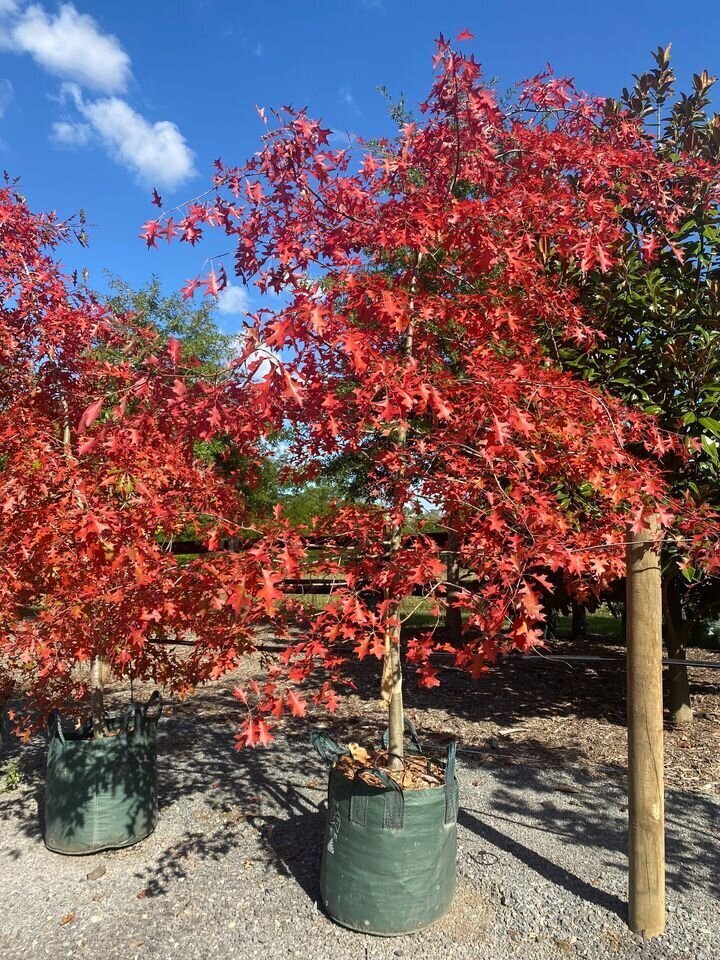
point(232, 869)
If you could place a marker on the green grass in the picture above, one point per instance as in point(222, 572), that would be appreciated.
point(598, 625)
point(416, 609)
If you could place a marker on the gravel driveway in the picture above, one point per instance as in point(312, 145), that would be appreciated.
point(232, 869)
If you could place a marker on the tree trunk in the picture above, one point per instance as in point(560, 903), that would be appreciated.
point(391, 687)
point(396, 714)
point(97, 697)
point(453, 614)
point(676, 632)
point(579, 622)
point(391, 684)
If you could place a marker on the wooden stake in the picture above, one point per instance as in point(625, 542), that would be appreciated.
point(646, 834)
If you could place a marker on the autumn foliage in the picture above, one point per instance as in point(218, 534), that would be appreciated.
point(416, 293)
point(98, 474)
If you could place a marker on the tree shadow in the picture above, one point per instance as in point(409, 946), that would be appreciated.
point(229, 802)
point(524, 803)
point(546, 868)
point(275, 797)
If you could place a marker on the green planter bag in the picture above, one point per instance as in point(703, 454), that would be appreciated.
point(389, 855)
point(102, 793)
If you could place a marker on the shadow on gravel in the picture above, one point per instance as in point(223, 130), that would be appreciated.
point(546, 868)
point(295, 839)
point(235, 799)
point(223, 802)
point(580, 812)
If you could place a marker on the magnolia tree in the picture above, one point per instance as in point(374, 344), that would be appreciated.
point(656, 309)
point(413, 332)
point(99, 424)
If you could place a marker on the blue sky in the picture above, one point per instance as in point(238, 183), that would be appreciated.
point(101, 101)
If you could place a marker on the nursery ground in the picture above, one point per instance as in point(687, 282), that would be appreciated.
point(232, 869)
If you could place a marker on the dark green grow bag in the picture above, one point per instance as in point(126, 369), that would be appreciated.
point(102, 793)
point(389, 856)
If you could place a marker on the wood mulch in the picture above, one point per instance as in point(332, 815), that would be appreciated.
point(417, 773)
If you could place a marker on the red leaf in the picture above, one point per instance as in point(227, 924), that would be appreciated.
point(190, 287)
point(427, 677)
point(211, 284)
point(292, 388)
point(87, 445)
point(149, 233)
point(465, 35)
point(298, 706)
point(268, 591)
point(91, 414)
point(265, 738)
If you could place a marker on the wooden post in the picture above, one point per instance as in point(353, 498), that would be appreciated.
point(646, 833)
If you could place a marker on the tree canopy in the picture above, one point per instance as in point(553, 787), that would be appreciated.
point(413, 334)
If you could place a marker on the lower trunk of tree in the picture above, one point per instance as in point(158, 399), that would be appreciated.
point(97, 697)
point(396, 714)
point(579, 622)
point(676, 631)
point(453, 614)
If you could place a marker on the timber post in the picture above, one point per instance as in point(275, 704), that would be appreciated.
point(646, 800)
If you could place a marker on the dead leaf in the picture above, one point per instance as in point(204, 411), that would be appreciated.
point(68, 918)
point(566, 944)
point(359, 753)
point(98, 872)
point(142, 894)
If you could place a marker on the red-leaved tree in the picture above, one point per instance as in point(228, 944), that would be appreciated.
point(415, 332)
point(99, 472)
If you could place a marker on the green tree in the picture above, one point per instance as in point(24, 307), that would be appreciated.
point(172, 316)
point(659, 312)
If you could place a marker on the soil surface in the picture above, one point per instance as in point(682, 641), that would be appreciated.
point(232, 869)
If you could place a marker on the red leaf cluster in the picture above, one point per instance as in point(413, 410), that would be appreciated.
point(423, 299)
point(98, 474)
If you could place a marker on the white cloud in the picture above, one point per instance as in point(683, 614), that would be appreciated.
point(346, 96)
point(71, 134)
point(6, 95)
point(69, 44)
point(7, 6)
point(234, 299)
point(156, 153)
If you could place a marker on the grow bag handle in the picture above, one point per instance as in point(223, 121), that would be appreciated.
point(394, 809)
point(451, 788)
point(155, 701)
point(326, 747)
point(414, 738)
point(135, 712)
point(54, 726)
